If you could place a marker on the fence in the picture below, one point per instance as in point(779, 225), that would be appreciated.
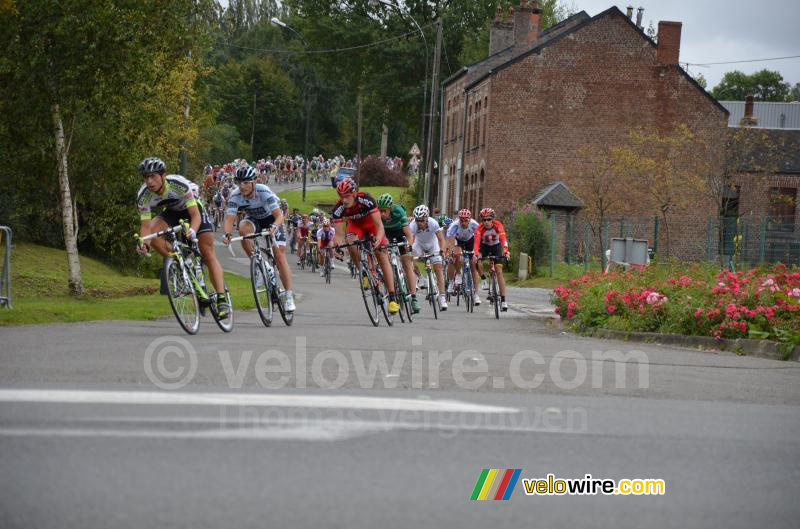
point(5, 277)
point(733, 242)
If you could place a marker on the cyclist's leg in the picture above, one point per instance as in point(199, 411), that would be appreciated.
point(437, 263)
point(386, 268)
point(456, 265)
point(246, 227)
point(279, 250)
point(205, 240)
point(411, 278)
point(160, 245)
point(501, 281)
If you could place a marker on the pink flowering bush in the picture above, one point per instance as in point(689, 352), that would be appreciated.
point(697, 300)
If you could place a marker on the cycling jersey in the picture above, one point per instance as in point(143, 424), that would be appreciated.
point(303, 228)
point(178, 195)
point(260, 206)
point(493, 236)
point(365, 205)
point(358, 217)
point(325, 237)
point(460, 233)
point(426, 236)
point(397, 219)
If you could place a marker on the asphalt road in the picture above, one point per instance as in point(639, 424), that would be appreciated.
point(335, 423)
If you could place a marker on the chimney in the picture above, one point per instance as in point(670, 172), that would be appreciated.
point(639, 14)
point(526, 25)
point(630, 12)
point(669, 42)
point(501, 33)
point(748, 120)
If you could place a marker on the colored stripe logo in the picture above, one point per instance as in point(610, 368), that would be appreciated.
point(496, 484)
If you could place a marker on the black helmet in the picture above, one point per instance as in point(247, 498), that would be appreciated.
point(152, 165)
point(246, 173)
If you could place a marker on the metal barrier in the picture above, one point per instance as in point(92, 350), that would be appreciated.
point(5, 278)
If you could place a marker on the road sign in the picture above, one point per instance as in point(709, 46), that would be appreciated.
point(414, 150)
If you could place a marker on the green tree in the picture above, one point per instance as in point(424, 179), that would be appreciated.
point(86, 86)
point(764, 85)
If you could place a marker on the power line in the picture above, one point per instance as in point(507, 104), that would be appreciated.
point(331, 50)
point(739, 62)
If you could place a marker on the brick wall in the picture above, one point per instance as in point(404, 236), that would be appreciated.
point(591, 88)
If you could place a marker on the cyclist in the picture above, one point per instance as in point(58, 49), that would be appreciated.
point(428, 238)
point(461, 236)
point(360, 211)
point(179, 199)
point(490, 239)
point(312, 230)
point(302, 236)
point(262, 211)
point(293, 221)
point(325, 238)
point(396, 226)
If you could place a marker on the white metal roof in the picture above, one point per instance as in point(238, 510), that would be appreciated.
point(769, 115)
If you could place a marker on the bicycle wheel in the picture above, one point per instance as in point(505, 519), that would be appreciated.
point(370, 301)
point(495, 297)
point(182, 297)
point(313, 259)
point(399, 294)
point(303, 258)
point(402, 288)
point(433, 294)
point(262, 291)
point(328, 270)
point(226, 323)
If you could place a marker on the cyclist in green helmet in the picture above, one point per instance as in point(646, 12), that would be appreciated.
point(395, 224)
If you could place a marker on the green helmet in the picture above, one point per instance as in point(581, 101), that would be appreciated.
point(385, 201)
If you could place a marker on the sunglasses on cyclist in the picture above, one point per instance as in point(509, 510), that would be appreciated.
point(486, 220)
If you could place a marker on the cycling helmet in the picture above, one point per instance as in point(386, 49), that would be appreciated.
point(464, 214)
point(283, 201)
point(326, 222)
point(385, 201)
point(152, 165)
point(346, 186)
point(421, 212)
point(245, 174)
point(487, 213)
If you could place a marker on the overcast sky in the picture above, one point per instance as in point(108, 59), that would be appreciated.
point(724, 30)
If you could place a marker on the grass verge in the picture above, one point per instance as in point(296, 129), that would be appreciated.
point(326, 198)
point(39, 291)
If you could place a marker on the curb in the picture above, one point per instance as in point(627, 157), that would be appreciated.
point(757, 348)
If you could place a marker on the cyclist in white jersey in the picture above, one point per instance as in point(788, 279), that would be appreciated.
point(429, 239)
point(262, 211)
point(461, 234)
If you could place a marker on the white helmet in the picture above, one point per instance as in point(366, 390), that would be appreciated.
point(421, 212)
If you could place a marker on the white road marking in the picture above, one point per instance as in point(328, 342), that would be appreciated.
point(245, 399)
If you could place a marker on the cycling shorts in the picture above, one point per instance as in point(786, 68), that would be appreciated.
point(264, 224)
point(173, 218)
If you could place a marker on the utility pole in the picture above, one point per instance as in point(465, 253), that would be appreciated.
point(253, 129)
point(433, 117)
point(360, 105)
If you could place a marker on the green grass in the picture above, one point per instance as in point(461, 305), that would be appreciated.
point(326, 198)
point(562, 273)
point(39, 291)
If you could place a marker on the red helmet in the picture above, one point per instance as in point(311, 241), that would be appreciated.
point(346, 186)
point(464, 214)
point(487, 213)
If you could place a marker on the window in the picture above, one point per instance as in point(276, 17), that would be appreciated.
point(485, 112)
point(469, 123)
point(782, 205)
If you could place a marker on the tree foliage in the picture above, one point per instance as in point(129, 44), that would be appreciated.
point(764, 85)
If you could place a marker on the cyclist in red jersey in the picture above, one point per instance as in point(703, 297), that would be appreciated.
point(363, 219)
point(303, 229)
point(490, 240)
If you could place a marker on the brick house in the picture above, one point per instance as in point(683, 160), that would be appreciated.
point(765, 195)
point(515, 122)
